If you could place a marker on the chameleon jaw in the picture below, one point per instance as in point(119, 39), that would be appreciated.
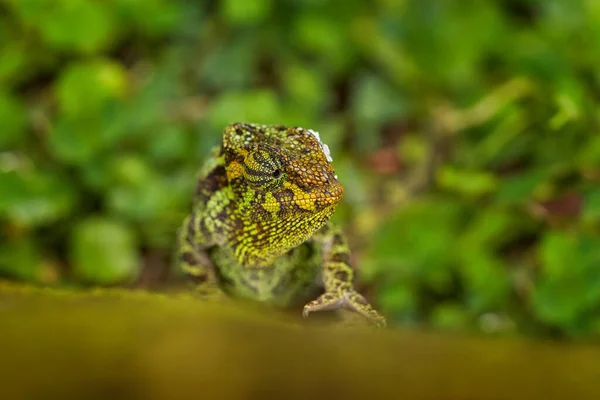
point(311, 203)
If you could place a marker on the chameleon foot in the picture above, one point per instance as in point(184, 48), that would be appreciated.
point(349, 300)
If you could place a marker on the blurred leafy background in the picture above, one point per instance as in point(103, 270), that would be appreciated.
point(466, 133)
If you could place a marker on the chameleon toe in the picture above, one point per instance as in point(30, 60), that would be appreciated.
point(352, 301)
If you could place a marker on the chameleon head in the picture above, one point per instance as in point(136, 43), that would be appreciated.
point(281, 174)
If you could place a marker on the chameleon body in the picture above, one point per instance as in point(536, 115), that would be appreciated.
point(259, 226)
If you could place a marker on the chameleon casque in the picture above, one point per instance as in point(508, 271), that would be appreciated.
point(259, 227)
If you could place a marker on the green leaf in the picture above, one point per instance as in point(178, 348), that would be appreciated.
point(305, 86)
point(500, 141)
point(140, 203)
point(375, 101)
point(13, 120)
point(13, 61)
point(84, 88)
point(90, 96)
point(131, 170)
point(419, 241)
point(71, 25)
point(558, 253)
point(449, 316)
point(489, 229)
point(399, 299)
point(103, 251)
point(569, 286)
point(20, 259)
point(487, 283)
point(260, 106)
point(246, 12)
point(35, 198)
point(569, 100)
point(150, 17)
point(591, 206)
point(233, 66)
point(172, 145)
point(414, 149)
point(466, 182)
point(521, 188)
point(374, 104)
point(76, 141)
point(589, 154)
point(448, 39)
point(318, 33)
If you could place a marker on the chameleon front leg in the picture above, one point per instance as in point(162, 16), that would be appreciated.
point(193, 261)
point(337, 275)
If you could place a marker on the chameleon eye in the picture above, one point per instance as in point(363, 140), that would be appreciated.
point(263, 169)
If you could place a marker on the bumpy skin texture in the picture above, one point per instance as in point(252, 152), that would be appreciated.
point(259, 223)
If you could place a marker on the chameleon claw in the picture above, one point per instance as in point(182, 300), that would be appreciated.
point(349, 300)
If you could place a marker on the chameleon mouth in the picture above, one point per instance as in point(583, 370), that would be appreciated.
point(314, 201)
point(308, 203)
point(322, 200)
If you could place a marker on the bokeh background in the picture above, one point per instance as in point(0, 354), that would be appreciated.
point(466, 133)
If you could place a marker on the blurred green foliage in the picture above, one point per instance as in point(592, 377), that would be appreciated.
point(466, 133)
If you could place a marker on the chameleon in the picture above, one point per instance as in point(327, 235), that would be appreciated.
point(259, 226)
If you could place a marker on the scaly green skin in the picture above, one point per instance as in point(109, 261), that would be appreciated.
point(259, 224)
